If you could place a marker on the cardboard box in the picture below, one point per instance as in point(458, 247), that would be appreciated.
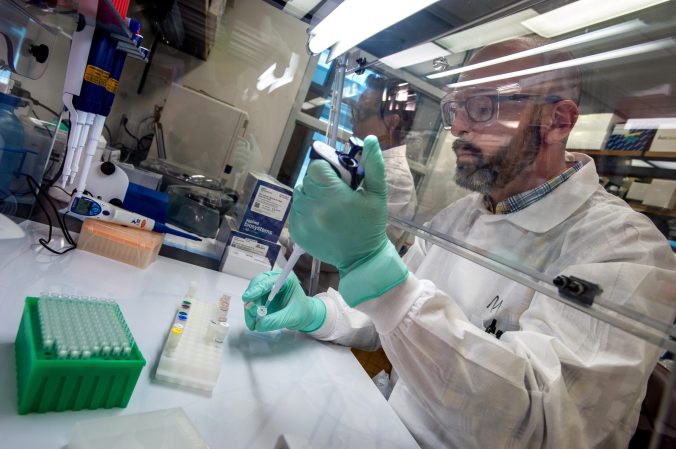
point(243, 263)
point(664, 140)
point(245, 242)
point(661, 193)
point(630, 139)
point(263, 207)
point(637, 191)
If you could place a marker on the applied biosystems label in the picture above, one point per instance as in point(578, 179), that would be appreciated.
point(271, 203)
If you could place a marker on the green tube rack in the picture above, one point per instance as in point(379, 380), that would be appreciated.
point(48, 383)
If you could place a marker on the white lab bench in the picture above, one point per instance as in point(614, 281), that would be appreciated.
point(293, 385)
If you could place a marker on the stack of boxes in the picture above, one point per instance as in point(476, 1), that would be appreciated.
point(623, 138)
point(591, 131)
point(251, 234)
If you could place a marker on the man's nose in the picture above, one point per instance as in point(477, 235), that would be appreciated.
point(460, 124)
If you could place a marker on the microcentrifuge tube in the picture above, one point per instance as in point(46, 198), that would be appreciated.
point(192, 289)
point(221, 332)
point(174, 336)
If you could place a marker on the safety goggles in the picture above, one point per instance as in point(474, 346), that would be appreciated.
point(483, 105)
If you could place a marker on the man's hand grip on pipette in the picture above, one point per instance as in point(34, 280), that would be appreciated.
point(290, 308)
point(346, 227)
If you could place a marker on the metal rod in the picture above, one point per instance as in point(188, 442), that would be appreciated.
point(538, 282)
point(663, 411)
point(331, 135)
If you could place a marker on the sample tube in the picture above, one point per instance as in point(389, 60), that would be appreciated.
point(192, 290)
point(217, 331)
point(174, 336)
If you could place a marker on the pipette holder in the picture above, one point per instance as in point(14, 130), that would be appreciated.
point(51, 384)
point(129, 245)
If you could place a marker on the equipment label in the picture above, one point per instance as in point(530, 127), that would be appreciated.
point(96, 76)
point(271, 203)
point(249, 245)
point(111, 85)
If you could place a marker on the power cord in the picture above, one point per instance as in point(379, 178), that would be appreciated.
point(35, 187)
point(126, 130)
point(50, 182)
point(20, 92)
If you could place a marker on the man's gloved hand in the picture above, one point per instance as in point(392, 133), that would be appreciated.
point(290, 308)
point(346, 227)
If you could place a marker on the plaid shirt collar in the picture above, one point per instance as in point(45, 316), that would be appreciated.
point(524, 199)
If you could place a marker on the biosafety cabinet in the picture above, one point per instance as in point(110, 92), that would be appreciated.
point(529, 145)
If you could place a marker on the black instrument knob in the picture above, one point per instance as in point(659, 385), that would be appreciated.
point(108, 168)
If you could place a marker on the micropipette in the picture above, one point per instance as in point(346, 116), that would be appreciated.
point(88, 206)
point(295, 255)
point(350, 171)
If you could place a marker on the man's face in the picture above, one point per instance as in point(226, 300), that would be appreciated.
point(366, 118)
point(491, 154)
point(498, 137)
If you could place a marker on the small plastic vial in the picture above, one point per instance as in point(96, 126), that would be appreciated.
point(174, 337)
point(221, 332)
point(217, 331)
point(192, 289)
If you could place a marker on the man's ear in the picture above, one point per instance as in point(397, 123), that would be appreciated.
point(558, 120)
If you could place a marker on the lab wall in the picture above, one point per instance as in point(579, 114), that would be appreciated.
point(253, 39)
point(256, 65)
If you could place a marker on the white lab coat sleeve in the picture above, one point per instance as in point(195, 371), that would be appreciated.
point(346, 326)
point(562, 380)
point(401, 195)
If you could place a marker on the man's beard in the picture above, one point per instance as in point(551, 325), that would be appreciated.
point(488, 174)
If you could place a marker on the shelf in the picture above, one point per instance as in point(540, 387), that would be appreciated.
point(623, 153)
point(660, 154)
point(652, 209)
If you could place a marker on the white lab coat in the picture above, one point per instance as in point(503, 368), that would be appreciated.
point(401, 197)
point(557, 378)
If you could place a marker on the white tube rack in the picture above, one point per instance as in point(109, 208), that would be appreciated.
point(192, 359)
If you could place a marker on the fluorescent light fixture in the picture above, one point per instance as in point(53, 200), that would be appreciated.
point(488, 33)
point(564, 43)
point(415, 55)
point(664, 164)
point(640, 163)
point(599, 57)
point(299, 8)
point(651, 123)
point(353, 21)
point(583, 13)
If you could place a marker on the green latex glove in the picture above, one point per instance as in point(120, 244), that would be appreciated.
point(290, 308)
point(346, 227)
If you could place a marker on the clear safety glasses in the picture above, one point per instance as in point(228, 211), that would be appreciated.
point(483, 105)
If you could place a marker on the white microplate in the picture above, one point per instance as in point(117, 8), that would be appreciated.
point(161, 429)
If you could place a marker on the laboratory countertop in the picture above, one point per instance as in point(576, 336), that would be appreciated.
point(267, 387)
